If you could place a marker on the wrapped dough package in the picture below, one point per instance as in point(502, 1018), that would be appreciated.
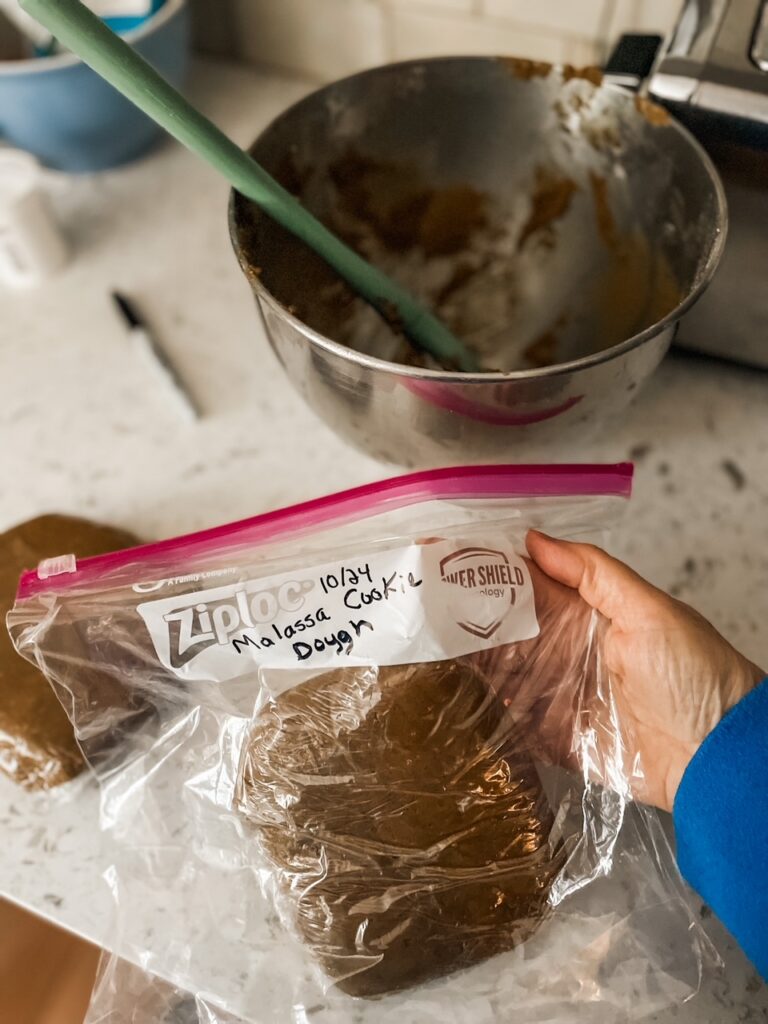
point(406, 817)
point(359, 760)
point(37, 745)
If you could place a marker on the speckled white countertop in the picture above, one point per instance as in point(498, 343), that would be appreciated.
point(84, 429)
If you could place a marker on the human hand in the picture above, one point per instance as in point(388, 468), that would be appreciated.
point(673, 677)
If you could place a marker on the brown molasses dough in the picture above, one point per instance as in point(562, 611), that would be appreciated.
point(407, 830)
point(37, 745)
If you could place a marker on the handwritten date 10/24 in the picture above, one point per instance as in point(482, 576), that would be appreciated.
point(345, 576)
point(341, 641)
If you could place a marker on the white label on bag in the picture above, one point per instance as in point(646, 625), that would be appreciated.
point(420, 603)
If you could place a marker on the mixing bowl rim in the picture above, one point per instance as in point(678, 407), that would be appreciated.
point(344, 352)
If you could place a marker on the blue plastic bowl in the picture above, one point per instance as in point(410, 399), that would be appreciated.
point(60, 110)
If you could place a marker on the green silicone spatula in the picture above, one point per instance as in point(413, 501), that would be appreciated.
point(85, 34)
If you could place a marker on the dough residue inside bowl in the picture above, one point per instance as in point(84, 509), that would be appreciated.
point(558, 268)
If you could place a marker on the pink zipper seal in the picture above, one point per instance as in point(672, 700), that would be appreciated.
point(481, 482)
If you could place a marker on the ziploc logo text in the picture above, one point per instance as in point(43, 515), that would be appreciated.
point(193, 628)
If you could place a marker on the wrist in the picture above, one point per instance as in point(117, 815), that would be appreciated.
point(742, 680)
point(746, 677)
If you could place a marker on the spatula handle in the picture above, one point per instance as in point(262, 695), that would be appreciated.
point(81, 31)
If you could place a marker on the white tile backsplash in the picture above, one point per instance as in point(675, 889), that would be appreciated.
point(580, 18)
point(325, 39)
point(651, 16)
point(467, 6)
point(421, 34)
point(657, 15)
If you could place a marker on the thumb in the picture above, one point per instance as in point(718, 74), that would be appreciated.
point(605, 583)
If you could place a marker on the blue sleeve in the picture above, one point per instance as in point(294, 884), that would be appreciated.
point(721, 823)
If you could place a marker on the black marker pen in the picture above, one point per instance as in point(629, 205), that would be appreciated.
point(143, 338)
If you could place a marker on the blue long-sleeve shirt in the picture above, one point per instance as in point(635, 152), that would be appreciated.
point(721, 823)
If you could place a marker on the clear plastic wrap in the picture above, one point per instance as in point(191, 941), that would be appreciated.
point(123, 993)
point(327, 743)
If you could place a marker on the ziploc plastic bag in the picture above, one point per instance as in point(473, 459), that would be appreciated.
point(125, 994)
point(322, 735)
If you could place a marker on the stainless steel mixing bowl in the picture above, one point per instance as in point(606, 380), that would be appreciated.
point(561, 226)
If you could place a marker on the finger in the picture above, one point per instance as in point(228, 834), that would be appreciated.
point(605, 583)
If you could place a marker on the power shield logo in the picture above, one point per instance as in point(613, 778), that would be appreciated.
point(483, 586)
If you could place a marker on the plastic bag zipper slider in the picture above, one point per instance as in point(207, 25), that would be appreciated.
point(56, 566)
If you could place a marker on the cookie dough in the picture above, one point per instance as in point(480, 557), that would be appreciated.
point(37, 745)
point(406, 827)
